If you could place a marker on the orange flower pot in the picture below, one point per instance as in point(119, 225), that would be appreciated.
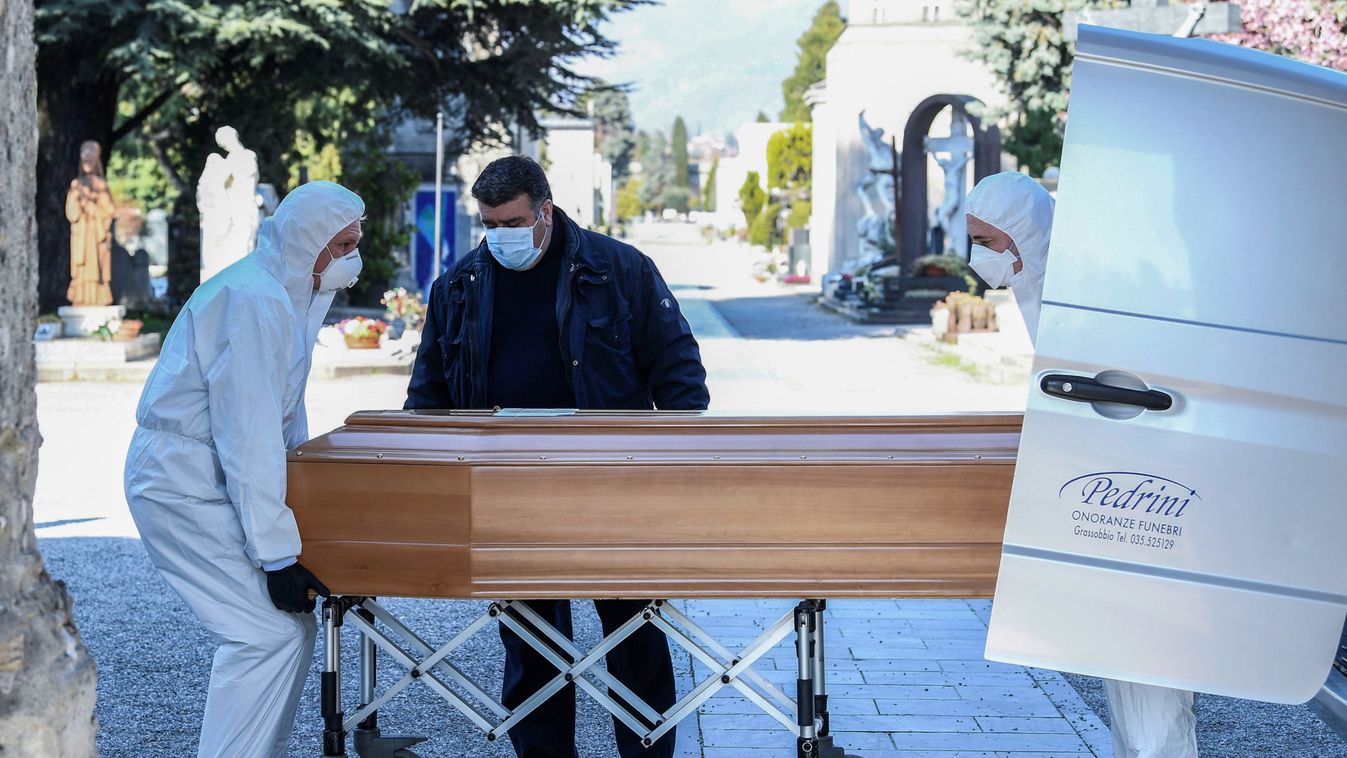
point(370, 342)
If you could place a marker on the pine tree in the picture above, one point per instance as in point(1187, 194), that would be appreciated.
point(678, 153)
point(656, 169)
point(790, 166)
point(790, 159)
point(812, 62)
point(752, 197)
point(615, 131)
point(709, 187)
point(1021, 41)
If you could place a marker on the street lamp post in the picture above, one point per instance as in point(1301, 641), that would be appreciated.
point(439, 193)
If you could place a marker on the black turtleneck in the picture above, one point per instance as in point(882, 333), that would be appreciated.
point(524, 367)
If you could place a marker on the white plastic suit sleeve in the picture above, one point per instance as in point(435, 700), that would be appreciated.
point(296, 432)
point(246, 387)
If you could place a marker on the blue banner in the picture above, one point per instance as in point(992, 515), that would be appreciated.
point(423, 248)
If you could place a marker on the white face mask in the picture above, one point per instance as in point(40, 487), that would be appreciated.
point(341, 272)
point(513, 247)
point(996, 269)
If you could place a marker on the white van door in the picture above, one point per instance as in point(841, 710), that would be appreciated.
point(1178, 513)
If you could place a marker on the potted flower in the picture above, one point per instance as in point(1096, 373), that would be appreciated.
point(129, 330)
point(48, 328)
point(362, 333)
point(939, 265)
point(104, 331)
point(402, 311)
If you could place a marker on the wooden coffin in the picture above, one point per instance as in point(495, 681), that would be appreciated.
point(641, 505)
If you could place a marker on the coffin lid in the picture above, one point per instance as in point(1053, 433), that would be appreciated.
point(568, 436)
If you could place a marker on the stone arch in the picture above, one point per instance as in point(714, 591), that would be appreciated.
point(986, 161)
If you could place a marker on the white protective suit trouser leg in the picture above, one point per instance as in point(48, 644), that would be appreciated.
point(1150, 721)
point(264, 653)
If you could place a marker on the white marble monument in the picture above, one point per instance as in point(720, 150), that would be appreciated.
point(874, 230)
point(893, 55)
point(953, 154)
point(227, 199)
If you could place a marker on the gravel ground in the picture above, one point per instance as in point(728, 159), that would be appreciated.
point(1233, 728)
point(154, 663)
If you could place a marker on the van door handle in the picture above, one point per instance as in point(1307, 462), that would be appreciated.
point(1084, 389)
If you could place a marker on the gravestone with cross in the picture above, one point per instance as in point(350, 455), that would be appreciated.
point(952, 154)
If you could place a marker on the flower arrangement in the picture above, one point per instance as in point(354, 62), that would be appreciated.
point(940, 265)
point(362, 333)
point(104, 331)
point(400, 304)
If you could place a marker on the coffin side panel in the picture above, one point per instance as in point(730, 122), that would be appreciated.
point(738, 530)
point(384, 529)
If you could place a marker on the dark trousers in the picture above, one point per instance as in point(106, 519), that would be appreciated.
point(640, 662)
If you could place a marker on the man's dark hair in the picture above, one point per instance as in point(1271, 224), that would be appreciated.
point(504, 179)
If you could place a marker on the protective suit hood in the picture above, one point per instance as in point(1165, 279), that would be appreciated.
point(1020, 207)
point(290, 240)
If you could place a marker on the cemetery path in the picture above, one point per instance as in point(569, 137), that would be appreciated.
point(908, 679)
point(768, 347)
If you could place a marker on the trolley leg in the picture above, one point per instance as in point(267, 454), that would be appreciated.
point(334, 738)
point(825, 748)
point(820, 676)
point(807, 743)
point(370, 742)
point(367, 674)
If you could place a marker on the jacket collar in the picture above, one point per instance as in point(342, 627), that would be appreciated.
point(578, 251)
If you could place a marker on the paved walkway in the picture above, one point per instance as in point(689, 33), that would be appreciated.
point(905, 678)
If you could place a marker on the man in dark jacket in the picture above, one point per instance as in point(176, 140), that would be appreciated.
point(545, 314)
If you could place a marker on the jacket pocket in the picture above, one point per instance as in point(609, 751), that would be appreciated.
point(610, 332)
point(609, 365)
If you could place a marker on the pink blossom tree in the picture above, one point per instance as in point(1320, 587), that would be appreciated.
point(1311, 30)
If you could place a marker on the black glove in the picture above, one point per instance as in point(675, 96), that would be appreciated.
point(289, 588)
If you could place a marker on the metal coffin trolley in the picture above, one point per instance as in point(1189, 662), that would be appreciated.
point(506, 506)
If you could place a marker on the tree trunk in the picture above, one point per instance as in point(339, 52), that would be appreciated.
point(71, 109)
point(184, 249)
point(46, 674)
point(194, 142)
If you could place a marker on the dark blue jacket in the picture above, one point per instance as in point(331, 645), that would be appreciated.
point(623, 337)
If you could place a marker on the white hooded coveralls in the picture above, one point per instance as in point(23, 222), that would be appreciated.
point(1020, 207)
point(205, 476)
point(1148, 721)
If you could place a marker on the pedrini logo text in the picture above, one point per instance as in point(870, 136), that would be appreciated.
point(1131, 491)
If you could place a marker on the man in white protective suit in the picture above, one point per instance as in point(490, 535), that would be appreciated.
point(1010, 222)
point(205, 475)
